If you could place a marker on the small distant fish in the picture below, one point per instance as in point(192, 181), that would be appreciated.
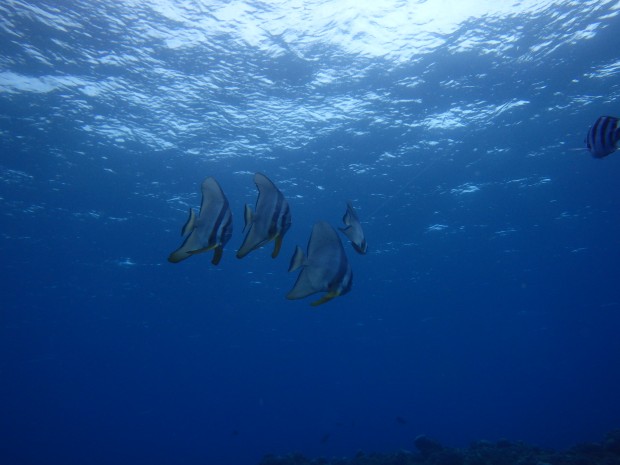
point(603, 136)
point(325, 438)
point(270, 220)
point(325, 269)
point(353, 230)
point(401, 421)
point(211, 229)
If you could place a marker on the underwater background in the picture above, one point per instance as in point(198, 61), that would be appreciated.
point(487, 306)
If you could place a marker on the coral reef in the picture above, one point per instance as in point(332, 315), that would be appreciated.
point(503, 452)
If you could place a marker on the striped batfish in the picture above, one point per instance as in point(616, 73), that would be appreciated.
point(353, 230)
point(326, 269)
point(603, 136)
point(269, 221)
point(211, 229)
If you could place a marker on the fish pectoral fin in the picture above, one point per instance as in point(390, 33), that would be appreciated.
point(217, 255)
point(189, 225)
point(326, 298)
point(248, 216)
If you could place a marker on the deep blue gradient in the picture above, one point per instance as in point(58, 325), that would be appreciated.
point(488, 305)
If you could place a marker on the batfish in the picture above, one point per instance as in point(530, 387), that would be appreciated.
point(269, 221)
point(211, 229)
point(353, 230)
point(325, 269)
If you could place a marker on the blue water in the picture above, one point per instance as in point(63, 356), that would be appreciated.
point(487, 307)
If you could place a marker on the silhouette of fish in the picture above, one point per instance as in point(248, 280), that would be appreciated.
point(270, 220)
point(353, 230)
point(603, 137)
point(211, 229)
point(325, 269)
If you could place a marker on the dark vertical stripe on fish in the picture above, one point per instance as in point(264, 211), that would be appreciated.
point(283, 218)
point(273, 224)
point(594, 133)
point(605, 133)
point(216, 226)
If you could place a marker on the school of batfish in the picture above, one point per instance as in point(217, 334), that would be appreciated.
point(324, 267)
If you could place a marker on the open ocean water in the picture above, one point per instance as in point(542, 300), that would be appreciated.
point(487, 306)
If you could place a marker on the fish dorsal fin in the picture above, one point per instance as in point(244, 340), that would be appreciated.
point(264, 184)
point(267, 191)
point(323, 235)
point(346, 218)
point(349, 216)
point(297, 260)
point(211, 192)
